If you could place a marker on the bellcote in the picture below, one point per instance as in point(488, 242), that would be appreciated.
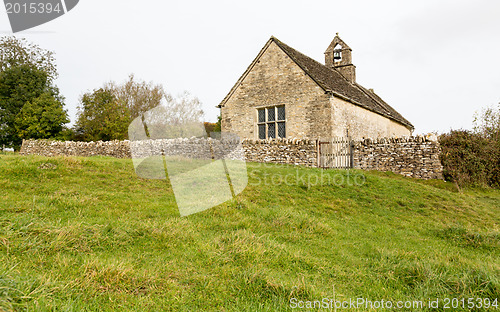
point(338, 56)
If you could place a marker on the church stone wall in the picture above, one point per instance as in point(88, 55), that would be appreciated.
point(358, 123)
point(276, 80)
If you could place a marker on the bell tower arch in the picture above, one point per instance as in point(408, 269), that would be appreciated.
point(338, 56)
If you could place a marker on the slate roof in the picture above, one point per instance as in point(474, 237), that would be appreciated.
point(332, 81)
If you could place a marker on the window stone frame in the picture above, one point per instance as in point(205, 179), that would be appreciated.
point(267, 124)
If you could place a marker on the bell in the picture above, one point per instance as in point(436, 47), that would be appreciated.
point(336, 55)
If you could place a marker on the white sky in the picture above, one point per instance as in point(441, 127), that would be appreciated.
point(436, 62)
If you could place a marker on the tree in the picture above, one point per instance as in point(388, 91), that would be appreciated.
point(15, 52)
point(102, 117)
point(183, 108)
point(42, 118)
point(177, 117)
point(26, 72)
point(18, 85)
point(119, 104)
point(487, 122)
point(105, 113)
point(137, 96)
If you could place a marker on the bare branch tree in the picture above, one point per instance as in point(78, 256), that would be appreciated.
point(138, 96)
point(179, 116)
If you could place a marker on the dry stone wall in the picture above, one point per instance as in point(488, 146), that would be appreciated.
point(282, 151)
point(192, 148)
point(117, 149)
point(416, 157)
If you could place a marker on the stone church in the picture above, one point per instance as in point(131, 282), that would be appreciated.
point(286, 94)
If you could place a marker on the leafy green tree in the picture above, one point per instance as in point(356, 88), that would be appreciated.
point(102, 117)
point(18, 85)
point(15, 52)
point(42, 118)
point(26, 72)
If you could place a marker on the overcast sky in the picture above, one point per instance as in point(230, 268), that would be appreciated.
point(436, 62)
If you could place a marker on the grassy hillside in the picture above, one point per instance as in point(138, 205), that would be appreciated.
point(85, 234)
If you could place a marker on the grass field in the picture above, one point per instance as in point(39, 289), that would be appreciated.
point(86, 234)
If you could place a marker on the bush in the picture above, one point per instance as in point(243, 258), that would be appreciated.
point(470, 158)
point(473, 157)
point(210, 127)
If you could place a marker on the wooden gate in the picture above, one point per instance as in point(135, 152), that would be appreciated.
point(335, 153)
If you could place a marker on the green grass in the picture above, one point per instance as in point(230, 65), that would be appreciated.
point(85, 234)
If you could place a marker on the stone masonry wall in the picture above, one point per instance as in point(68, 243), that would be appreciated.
point(361, 123)
point(416, 157)
point(282, 151)
point(192, 148)
point(117, 149)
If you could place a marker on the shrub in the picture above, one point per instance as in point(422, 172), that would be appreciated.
point(470, 158)
point(473, 157)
